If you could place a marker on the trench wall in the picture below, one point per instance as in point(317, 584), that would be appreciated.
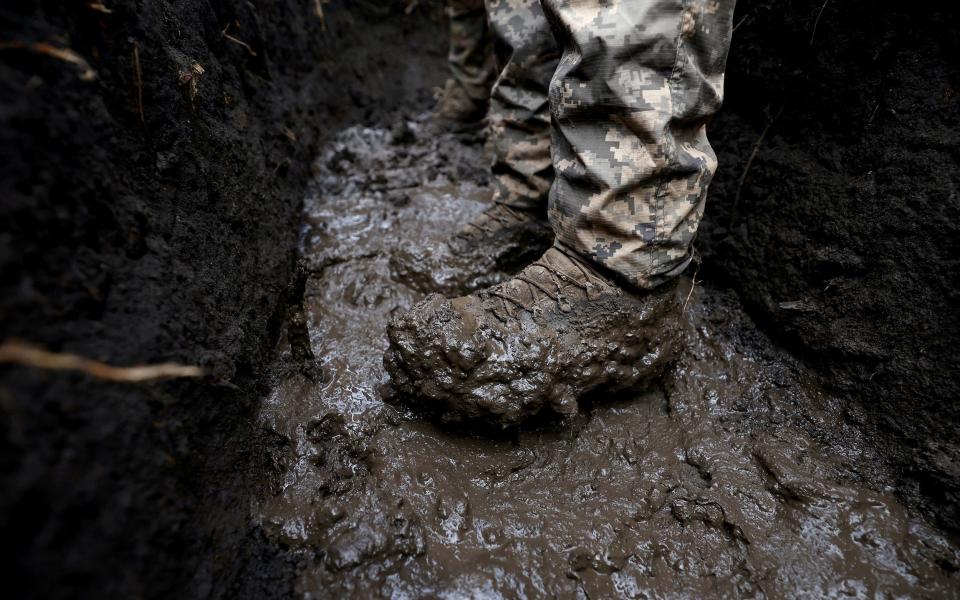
point(842, 233)
point(167, 233)
point(151, 172)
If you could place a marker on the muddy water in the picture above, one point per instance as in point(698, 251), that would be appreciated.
point(736, 477)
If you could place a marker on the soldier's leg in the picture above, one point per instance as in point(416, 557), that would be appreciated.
point(636, 85)
point(466, 94)
point(527, 54)
point(630, 99)
point(514, 230)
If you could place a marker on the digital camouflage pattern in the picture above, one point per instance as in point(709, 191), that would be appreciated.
point(527, 54)
point(467, 93)
point(630, 98)
point(636, 85)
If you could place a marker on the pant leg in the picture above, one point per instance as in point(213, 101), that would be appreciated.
point(519, 116)
point(636, 85)
point(471, 49)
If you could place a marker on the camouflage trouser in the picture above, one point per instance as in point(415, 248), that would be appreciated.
point(471, 53)
point(527, 54)
point(630, 98)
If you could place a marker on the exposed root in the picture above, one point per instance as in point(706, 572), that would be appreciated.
point(318, 10)
point(138, 80)
point(99, 7)
point(746, 170)
point(237, 41)
point(21, 353)
point(813, 34)
point(65, 54)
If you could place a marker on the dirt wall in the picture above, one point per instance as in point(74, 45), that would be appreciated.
point(841, 233)
point(152, 163)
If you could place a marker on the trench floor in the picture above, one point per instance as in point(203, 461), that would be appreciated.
point(736, 477)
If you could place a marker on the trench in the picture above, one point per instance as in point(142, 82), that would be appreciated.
point(738, 476)
point(804, 445)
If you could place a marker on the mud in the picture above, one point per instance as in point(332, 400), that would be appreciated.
point(532, 346)
point(483, 252)
point(737, 476)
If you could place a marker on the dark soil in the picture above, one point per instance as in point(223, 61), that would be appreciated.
point(844, 242)
point(166, 237)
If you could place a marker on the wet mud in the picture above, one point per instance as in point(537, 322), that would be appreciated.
point(532, 346)
point(737, 476)
point(484, 252)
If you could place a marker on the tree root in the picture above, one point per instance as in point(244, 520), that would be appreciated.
point(21, 353)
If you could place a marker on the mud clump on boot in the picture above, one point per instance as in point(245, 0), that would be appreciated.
point(532, 345)
point(485, 251)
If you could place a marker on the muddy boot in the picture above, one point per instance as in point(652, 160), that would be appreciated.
point(534, 344)
point(456, 110)
point(497, 243)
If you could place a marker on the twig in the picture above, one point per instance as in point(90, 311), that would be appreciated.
point(31, 356)
point(817, 22)
point(138, 78)
point(65, 54)
point(693, 286)
point(746, 170)
point(237, 41)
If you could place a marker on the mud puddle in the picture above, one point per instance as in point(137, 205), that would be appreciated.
point(736, 478)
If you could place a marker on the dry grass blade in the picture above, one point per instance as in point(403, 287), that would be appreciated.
point(65, 54)
point(741, 22)
point(693, 287)
point(99, 7)
point(21, 353)
point(237, 41)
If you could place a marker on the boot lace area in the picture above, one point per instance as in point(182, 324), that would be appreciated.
point(545, 279)
point(486, 224)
